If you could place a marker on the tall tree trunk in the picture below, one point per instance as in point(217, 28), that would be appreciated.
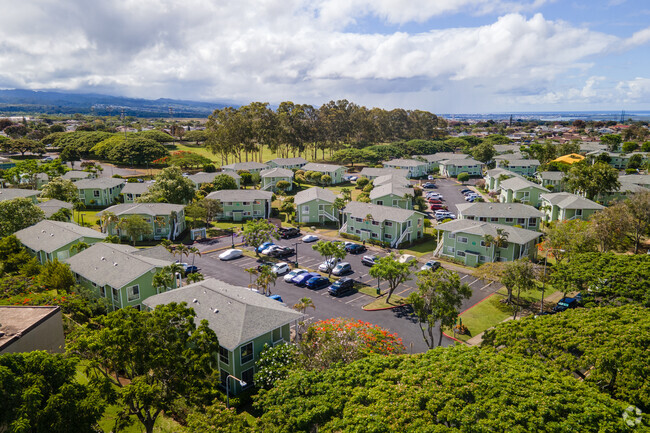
point(440, 336)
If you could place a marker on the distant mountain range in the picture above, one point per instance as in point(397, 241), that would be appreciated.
point(20, 101)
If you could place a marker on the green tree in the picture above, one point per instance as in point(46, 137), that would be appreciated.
point(134, 149)
point(194, 277)
point(40, 393)
point(438, 299)
point(362, 182)
point(638, 209)
point(499, 241)
point(12, 254)
point(170, 187)
point(57, 276)
point(326, 179)
point(163, 280)
point(212, 209)
point(216, 418)
point(24, 145)
point(17, 214)
point(612, 141)
point(61, 189)
point(223, 181)
point(154, 359)
point(256, 232)
point(330, 251)
point(610, 227)
point(567, 238)
point(484, 152)
point(78, 247)
point(196, 213)
point(135, 227)
point(265, 279)
point(593, 180)
point(393, 272)
point(282, 186)
point(462, 177)
point(275, 363)
point(518, 275)
point(197, 136)
point(63, 215)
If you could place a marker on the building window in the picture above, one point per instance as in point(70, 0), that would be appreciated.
point(277, 335)
point(482, 259)
point(452, 235)
point(510, 220)
point(579, 212)
point(494, 220)
point(381, 203)
point(482, 243)
point(102, 291)
point(305, 208)
point(460, 253)
point(470, 218)
point(484, 219)
point(247, 214)
point(375, 223)
point(388, 236)
point(246, 203)
point(116, 295)
point(224, 355)
point(389, 224)
point(357, 231)
point(96, 193)
point(532, 221)
point(408, 223)
point(521, 221)
point(247, 376)
point(133, 293)
point(247, 353)
point(462, 239)
point(224, 377)
point(374, 235)
point(450, 250)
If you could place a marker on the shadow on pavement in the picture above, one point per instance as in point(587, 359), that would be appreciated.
point(405, 312)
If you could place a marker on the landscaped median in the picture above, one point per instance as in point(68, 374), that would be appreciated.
point(381, 304)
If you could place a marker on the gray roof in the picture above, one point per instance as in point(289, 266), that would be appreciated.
point(236, 314)
point(391, 178)
point(236, 195)
point(76, 174)
point(522, 162)
point(517, 183)
point(158, 252)
point(250, 165)
point(377, 172)
point(498, 210)
point(379, 213)
point(589, 146)
point(552, 175)
point(113, 264)
point(637, 179)
point(314, 193)
point(323, 168)
point(504, 148)
point(463, 162)
point(12, 193)
point(99, 183)
point(289, 161)
point(509, 156)
point(49, 235)
point(630, 187)
point(515, 234)
point(201, 177)
point(496, 172)
point(389, 188)
point(136, 188)
point(277, 172)
point(152, 209)
point(566, 200)
point(405, 162)
point(441, 156)
point(52, 206)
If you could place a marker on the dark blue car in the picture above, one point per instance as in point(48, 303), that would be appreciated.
point(264, 246)
point(355, 248)
point(301, 280)
point(318, 282)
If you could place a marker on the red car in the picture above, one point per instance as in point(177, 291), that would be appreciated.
point(434, 201)
point(438, 206)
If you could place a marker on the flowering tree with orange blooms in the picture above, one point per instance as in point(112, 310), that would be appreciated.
point(330, 341)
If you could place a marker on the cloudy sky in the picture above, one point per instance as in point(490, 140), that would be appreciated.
point(446, 56)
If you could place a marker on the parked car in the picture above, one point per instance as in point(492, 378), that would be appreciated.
point(470, 199)
point(263, 263)
point(431, 265)
point(310, 238)
point(341, 287)
point(428, 185)
point(290, 232)
point(369, 260)
point(293, 274)
point(435, 195)
point(437, 206)
point(264, 246)
point(328, 264)
point(231, 254)
point(47, 159)
point(282, 252)
point(406, 258)
point(435, 201)
point(276, 298)
point(342, 269)
point(302, 279)
point(430, 177)
point(353, 248)
point(565, 304)
point(280, 268)
point(317, 282)
point(270, 249)
point(190, 269)
point(466, 190)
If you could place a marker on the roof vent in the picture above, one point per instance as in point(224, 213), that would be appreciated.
point(195, 301)
point(103, 258)
point(216, 310)
point(114, 264)
point(43, 231)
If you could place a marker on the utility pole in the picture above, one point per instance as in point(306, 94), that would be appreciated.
point(295, 247)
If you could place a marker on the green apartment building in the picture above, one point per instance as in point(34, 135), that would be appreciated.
point(132, 191)
point(118, 273)
point(495, 176)
point(202, 178)
point(391, 225)
point(270, 178)
point(415, 168)
point(552, 180)
point(465, 240)
point(373, 173)
point(618, 160)
point(242, 204)
point(433, 161)
point(518, 189)
point(509, 214)
point(167, 220)
point(336, 172)
point(392, 195)
point(52, 206)
point(453, 167)
point(561, 206)
point(288, 163)
point(391, 178)
point(244, 322)
point(75, 175)
point(316, 205)
point(49, 240)
point(523, 167)
point(103, 191)
point(250, 166)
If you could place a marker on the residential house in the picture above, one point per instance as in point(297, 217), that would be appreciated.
point(506, 148)
point(244, 322)
point(49, 240)
point(373, 173)
point(552, 180)
point(12, 193)
point(270, 178)
point(522, 190)
point(390, 225)
point(316, 205)
point(75, 175)
point(132, 191)
point(433, 161)
point(508, 214)
point(571, 158)
point(635, 179)
point(288, 163)
point(41, 180)
point(202, 178)
point(241, 204)
point(561, 206)
point(468, 241)
point(524, 167)
point(626, 190)
point(103, 191)
point(391, 178)
point(250, 166)
point(30, 328)
point(6, 163)
point(508, 157)
point(415, 168)
point(53, 205)
point(495, 176)
point(618, 160)
point(336, 172)
point(118, 273)
point(167, 220)
point(591, 146)
point(453, 167)
point(392, 195)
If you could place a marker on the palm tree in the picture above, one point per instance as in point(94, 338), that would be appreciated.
point(265, 279)
point(303, 304)
point(497, 242)
point(107, 219)
point(347, 194)
point(78, 247)
point(78, 206)
point(168, 245)
point(163, 280)
point(173, 269)
point(251, 272)
point(180, 250)
point(194, 251)
point(194, 277)
point(159, 221)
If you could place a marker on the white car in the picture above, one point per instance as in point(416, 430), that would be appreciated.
point(328, 264)
point(310, 238)
point(231, 254)
point(266, 251)
point(431, 265)
point(292, 274)
point(280, 268)
point(435, 195)
point(406, 258)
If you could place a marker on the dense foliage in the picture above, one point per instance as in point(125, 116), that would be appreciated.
point(17, 214)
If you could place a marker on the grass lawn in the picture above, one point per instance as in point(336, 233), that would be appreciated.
point(427, 246)
point(89, 216)
point(368, 290)
point(395, 301)
point(267, 154)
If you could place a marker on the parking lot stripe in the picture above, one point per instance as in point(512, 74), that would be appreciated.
point(405, 290)
point(356, 299)
point(464, 276)
point(472, 283)
point(486, 286)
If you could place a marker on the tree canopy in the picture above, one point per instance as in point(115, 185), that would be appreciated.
point(170, 187)
point(61, 189)
point(17, 214)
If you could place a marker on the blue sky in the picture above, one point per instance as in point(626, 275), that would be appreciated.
point(446, 56)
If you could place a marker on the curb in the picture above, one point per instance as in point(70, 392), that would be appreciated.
point(455, 339)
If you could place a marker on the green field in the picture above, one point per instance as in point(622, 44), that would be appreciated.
point(267, 154)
